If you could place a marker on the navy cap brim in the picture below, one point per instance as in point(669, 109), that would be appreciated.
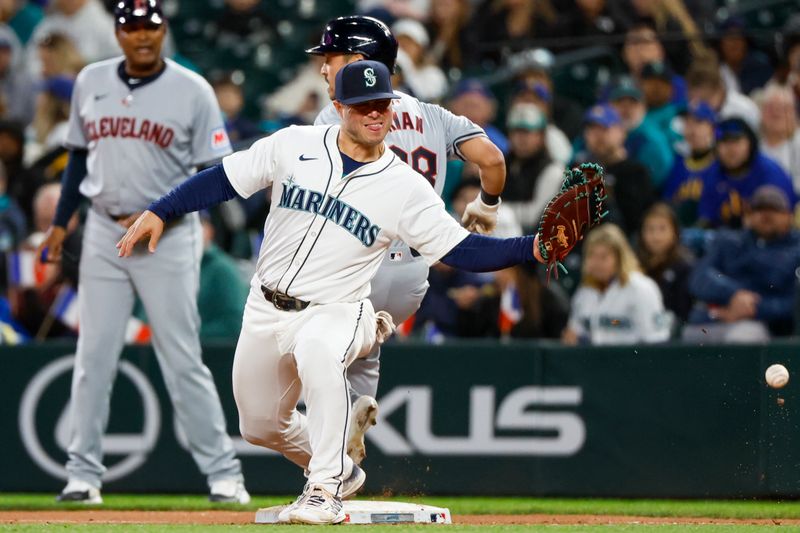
point(370, 97)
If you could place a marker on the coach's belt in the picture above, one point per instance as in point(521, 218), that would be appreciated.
point(282, 301)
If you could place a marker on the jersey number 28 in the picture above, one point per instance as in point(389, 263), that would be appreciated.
point(422, 160)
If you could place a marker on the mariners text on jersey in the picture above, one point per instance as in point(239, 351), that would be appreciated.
point(335, 210)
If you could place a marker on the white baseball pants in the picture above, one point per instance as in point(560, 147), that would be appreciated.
point(283, 354)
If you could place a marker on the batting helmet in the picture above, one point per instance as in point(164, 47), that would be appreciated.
point(359, 35)
point(127, 11)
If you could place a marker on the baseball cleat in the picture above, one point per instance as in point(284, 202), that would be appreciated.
point(230, 490)
point(364, 416)
point(78, 491)
point(283, 516)
point(318, 506)
point(354, 482)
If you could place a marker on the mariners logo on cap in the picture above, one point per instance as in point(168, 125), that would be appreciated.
point(369, 77)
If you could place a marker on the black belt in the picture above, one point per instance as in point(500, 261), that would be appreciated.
point(283, 301)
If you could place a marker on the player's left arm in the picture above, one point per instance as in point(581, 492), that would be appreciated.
point(426, 226)
point(468, 141)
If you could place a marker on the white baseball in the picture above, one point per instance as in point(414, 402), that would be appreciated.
point(777, 376)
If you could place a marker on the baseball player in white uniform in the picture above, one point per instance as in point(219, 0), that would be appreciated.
point(340, 198)
point(139, 126)
point(424, 136)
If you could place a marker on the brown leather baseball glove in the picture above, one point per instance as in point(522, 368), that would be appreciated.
point(570, 214)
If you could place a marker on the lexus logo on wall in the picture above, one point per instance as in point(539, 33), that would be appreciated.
point(48, 392)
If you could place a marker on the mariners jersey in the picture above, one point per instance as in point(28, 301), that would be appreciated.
point(422, 135)
point(142, 140)
point(622, 314)
point(326, 233)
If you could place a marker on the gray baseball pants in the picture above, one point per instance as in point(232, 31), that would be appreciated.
point(167, 283)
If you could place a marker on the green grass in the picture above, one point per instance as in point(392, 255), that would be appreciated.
point(457, 505)
point(125, 528)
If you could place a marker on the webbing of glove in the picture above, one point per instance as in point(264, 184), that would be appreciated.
point(570, 214)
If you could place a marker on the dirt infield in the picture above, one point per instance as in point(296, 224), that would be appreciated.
point(247, 517)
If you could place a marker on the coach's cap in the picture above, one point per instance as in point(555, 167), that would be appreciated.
point(525, 116)
point(657, 71)
point(363, 81)
point(128, 11)
point(769, 197)
point(626, 88)
point(701, 111)
point(604, 115)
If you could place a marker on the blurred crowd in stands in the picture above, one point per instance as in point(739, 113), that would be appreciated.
point(691, 106)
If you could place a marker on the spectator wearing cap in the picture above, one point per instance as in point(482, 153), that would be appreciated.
point(537, 94)
point(746, 280)
point(740, 170)
point(743, 66)
point(628, 184)
point(642, 47)
point(424, 79)
point(533, 177)
point(17, 90)
point(473, 99)
point(532, 70)
point(689, 172)
point(780, 134)
point(509, 25)
point(706, 84)
point(85, 22)
point(658, 92)
point(644, 141)
point(49, 126)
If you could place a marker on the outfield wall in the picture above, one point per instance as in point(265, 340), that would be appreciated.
point(465, 418)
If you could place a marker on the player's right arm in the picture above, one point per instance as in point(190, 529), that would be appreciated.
point(242, 173)
point(50, 248)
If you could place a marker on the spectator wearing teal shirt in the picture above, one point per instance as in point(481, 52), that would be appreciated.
point(657, 88)
point(223, 291)
point(644, 142)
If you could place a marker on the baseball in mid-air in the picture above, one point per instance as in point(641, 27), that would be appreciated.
point(777, 376)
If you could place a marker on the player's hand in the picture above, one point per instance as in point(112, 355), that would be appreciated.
point(128, 222)
point(148, 223)
point(536, 252)
point(49, 251)
point(480, 217)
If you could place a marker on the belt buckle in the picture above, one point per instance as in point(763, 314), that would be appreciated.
point(275, 301)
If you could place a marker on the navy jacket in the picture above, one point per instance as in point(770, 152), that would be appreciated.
point(740, 260)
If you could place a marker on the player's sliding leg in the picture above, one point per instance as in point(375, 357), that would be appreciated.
point(105, 302)
point(167, 284)
point(398, 288)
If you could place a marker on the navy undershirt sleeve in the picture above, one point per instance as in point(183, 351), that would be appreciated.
point(479, 253)
point(71, 180)
point(205, 189)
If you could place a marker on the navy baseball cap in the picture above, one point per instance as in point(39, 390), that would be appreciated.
point(657, 71)
point(364, 81)
point(604, 115)
point(702, 111)
point(732, 128)
point(129, 11)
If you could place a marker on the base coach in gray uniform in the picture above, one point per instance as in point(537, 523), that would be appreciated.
point(138, 127)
